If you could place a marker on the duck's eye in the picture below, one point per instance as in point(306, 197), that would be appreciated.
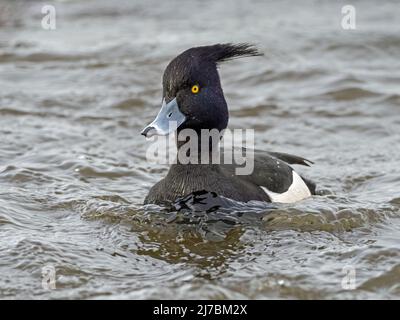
point(195, 89)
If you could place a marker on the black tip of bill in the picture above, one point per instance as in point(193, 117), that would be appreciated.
point(146, 130)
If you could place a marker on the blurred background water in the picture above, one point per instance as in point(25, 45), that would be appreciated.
point(73, 172)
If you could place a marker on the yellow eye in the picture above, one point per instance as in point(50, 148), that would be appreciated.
point(195, 89)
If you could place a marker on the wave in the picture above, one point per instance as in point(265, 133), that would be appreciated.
point(41, 57)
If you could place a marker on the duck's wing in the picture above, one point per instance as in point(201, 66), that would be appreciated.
point(274, 175)
point(290, 158)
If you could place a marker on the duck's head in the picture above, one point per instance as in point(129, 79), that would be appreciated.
point(192, 92)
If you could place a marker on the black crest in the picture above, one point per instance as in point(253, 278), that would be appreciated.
point(228, 51)
point(199, 64)
point(224, 52)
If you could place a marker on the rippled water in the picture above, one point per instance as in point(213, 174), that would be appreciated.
point(73, 173)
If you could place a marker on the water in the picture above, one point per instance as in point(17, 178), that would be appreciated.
point(73, 173)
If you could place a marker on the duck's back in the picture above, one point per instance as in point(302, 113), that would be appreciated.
point(272, 179)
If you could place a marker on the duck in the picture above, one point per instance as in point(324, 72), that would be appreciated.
point(193, 99)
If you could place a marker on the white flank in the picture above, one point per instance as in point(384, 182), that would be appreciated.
point(296, 192)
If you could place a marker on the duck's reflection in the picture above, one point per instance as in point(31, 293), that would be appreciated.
point(201, 229)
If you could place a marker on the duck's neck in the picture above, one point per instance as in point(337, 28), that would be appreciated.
point(198, 147)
